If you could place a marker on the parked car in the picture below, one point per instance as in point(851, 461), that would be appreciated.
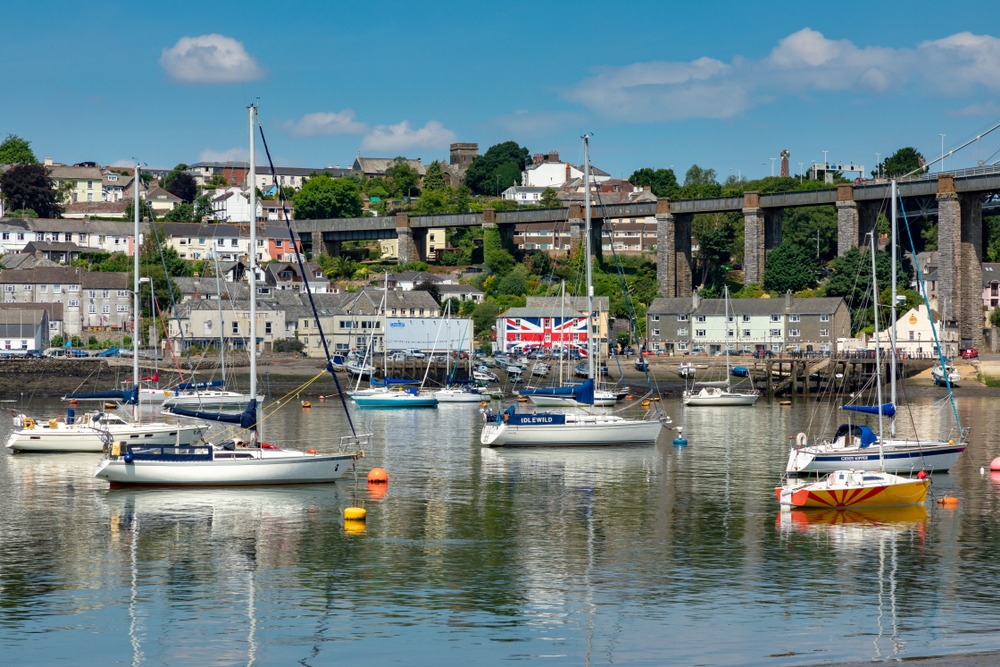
point(74, 352)
point(970, 353)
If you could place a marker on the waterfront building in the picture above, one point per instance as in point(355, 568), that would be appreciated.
point(694, 325)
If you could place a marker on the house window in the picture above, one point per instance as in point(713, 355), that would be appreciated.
point(699, 333)
point(122, 309)
point(123, 293)
point(92, 309)
point(700, 318)
point(794, 318)
point(106, 310)
point(775, 318)
point(8, 288)
point(746, 333)
point(267, 328)
point(826, 332)
point(682, 332)
point(73, 289)
point(824, 318)
point(775, 333)
point(236, 328)
point(793, 333)
point(27, 288)
point(43, 288)
point(656, 332)
point(746, 318)
point(208, 327)
point(278, 244)
point(74, 303)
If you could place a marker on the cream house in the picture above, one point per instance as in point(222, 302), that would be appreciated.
point(82, 183)
point(915, 335)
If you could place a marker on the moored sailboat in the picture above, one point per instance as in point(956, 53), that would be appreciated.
point(237, 460)
point(849, 486)
point(510, 428)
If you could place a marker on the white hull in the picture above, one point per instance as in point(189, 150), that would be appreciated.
point(898, 457)
point(148, 395)
point(258, 467)
point(579, 430)
point(87, 438)
point(712, 396)
point(458, 396)
point(209, 398)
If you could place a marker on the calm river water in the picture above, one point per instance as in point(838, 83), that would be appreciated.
point(656, 555)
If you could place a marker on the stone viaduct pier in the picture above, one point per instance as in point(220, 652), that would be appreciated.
point(956, 198)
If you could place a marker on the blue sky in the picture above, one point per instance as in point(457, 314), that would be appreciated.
point(725, 85)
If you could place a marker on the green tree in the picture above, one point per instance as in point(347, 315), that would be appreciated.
point(514, 282)
point(498, 258)
point(715, 234)
point(700, 184)
point(401, 179)
point(550, 199)
point(497, 169)
point(789, 267)
point(145, 210)
point(324, 197)
point(15, 150)
point(484, 318)
point(432, 202)
point(181, 213)
point(805, 226)
point(181, 183)
point(434, 178)
point(850, 278)
point(903, 161)
point(995, 317)
point(29, 186)
point(661, 182)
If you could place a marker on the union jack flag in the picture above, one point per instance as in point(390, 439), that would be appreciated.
point(524, 334)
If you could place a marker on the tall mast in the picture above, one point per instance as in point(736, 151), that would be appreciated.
point(252, 280)
point(892, 308)
point(591, 343)
point(135, 284)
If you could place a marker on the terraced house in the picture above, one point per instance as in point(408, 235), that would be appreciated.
point(703, 326)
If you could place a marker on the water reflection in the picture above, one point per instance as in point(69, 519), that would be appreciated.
point(490, 555)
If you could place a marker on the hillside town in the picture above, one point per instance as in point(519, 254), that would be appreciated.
point(52, 292)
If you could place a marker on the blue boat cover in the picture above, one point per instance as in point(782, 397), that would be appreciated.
point(887, 409)
point(866, 435)
point(128, 396)
point(246, 419)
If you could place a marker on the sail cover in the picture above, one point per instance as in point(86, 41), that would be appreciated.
point(246, 419)
point(887, 409)
point(865, 434)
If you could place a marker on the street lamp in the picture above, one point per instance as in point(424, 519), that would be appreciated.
point(800, 171)
point(942, 153)
point(878, 165)
point(772, 166)
point(739, 174)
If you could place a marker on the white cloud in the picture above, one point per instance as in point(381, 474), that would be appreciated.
point(801, 64)
point(401, 137)
point(229, 155)
point(209, 59)
point(326, 124)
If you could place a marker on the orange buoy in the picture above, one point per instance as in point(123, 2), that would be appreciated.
point(995, 464)
point(306, 404)
point(948, 501)
point(378, 476)
point(628, 397)
point(310, 451)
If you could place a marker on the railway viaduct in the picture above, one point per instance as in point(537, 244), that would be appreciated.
point(957, 199)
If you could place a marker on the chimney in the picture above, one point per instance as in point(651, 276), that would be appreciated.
point(567, 171)
point(553, 156)
point(538, 158)
point(695, 300)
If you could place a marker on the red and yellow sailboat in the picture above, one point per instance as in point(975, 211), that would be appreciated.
point(854, 488)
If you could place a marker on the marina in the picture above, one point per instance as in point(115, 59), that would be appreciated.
point(571, 556)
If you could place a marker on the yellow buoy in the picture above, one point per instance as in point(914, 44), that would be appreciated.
point(645, 404)
point(354, 527)
point(355, 513)
point(306, 404)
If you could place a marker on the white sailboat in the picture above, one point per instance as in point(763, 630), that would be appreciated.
point(94, 429)
point(238, 461)
point(721, 392)
point(510, 428)
point(853, 442)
